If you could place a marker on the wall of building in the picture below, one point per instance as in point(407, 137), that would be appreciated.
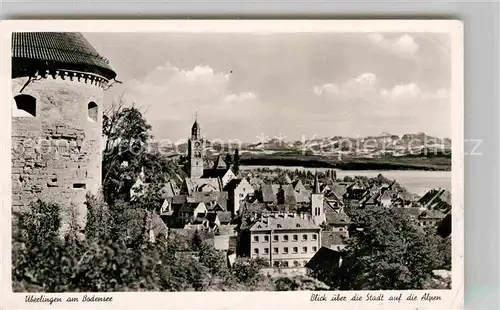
point(267, 245)
point(57, 154)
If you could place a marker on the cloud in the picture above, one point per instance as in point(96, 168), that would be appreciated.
point(240, 97)
point(330, 88)
point(365, 81)
point(169, 92)
point(170, 97)
point(404, 45)
point(405, 92)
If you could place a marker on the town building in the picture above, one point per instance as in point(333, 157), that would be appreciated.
point(238, 190)
point(317, 203)
point(58, 83)
point(284, 240)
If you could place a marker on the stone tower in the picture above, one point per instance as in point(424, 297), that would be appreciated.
point(195, 152)
point(58, 82)
point(317, 201)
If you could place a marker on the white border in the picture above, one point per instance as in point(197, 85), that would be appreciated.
point(451, 299)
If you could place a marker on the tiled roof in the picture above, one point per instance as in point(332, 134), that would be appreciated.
point(58, 50)
point(189, 206)
point(283, 223)
point(268, 194)
point(411, 211)
point(386, 195)
point(220, 163)
point(332, 238)
point(446, 196)
point(432, 214)
point(224, 217)
point(289, 194)
point(325, 258)
point(337, 218)
point(302, 196)
point(298, 185)
point(338, 189)
point(171, 189)
point(195, 185)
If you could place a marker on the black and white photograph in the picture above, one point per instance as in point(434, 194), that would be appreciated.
point(226, 161)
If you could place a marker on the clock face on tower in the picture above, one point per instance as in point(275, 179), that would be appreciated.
point(197, 144)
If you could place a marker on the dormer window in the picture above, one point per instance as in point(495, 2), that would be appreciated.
point(279, 226)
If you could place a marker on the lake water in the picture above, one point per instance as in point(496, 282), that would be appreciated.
point(415, 181)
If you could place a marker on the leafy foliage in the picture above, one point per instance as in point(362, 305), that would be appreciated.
point(391, 252)
point(126, 153)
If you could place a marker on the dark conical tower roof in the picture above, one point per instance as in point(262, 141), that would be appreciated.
point(195, 130)
point(316, 183)
point(42, 51)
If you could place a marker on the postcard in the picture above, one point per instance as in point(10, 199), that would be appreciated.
point(232, 164)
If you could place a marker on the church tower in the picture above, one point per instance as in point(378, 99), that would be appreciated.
point(317, 200)
point(195, 152)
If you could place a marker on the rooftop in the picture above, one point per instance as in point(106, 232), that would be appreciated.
point(42, 51)
point(283, 222)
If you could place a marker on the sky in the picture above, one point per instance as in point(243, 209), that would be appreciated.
point(297, 86)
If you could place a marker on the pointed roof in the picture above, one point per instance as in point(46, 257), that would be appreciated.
point(220, 163)
point(195, 129)
point(32, 51)
point(316, 183)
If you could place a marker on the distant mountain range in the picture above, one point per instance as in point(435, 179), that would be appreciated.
point(383, 145)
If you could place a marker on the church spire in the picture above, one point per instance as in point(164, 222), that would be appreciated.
point(316, 183)
point(195, 130)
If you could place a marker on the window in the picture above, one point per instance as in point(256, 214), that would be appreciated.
point(255, 239)
point(304, 263)
point(295, 250)
point(266, 250)
point(298, 225)
point(315, 237)
point(279, 226)
point(285, 250)
point(276, 238)
point(275, 250)
point(285, 264)
point(25, 106)
point(314, 249)
point(276, 263)
point(285, 238)
point(79, 185)
point(296, 263)
point(295, 238)
point(256, 251)
point(92, 111)
point(341, 229)
point(304, 237)
point(304, 249)
point(266, 238)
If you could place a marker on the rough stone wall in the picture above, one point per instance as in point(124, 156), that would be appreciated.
point(57, 155)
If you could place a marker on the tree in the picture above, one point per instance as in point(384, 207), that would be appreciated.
point(247, 271)
point(391, 252)
point(125, 155)
point(299, 283)
point(126, 133)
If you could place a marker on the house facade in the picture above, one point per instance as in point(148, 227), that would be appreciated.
point(284, 240)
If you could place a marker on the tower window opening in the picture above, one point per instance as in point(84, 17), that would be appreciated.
point(79, 186)
point(92, 111)
point(25, 106)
